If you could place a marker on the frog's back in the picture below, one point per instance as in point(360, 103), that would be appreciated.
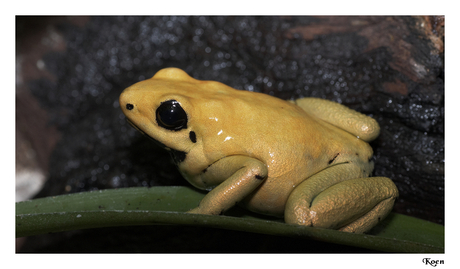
point(274, 130)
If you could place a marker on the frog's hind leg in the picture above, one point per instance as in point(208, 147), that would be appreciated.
point(330, 199)
point(364, 127)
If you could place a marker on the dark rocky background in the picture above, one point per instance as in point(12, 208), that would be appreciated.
point(71, 70)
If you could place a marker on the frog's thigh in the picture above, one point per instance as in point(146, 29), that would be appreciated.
point(341, 116)
point(240, 175)
point(330, 199)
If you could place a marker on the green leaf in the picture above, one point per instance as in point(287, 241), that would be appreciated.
point(166, 205)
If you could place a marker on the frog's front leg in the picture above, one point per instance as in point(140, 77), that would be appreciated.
point(240, 175)
point(341, 198)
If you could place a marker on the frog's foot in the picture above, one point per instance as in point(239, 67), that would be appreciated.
point(354, 205)
point(341, 116)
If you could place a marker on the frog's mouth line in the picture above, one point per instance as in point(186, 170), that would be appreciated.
point(151, 138)
point(177, 155)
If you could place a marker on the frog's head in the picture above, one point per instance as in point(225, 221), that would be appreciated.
point(161, 108)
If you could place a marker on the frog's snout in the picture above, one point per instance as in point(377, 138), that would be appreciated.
point(125, 101)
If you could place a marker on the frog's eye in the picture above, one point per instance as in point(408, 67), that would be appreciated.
point(171, 116)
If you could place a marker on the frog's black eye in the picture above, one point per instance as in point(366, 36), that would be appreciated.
point(171, 116)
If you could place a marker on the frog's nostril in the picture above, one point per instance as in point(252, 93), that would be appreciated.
point(129, 106)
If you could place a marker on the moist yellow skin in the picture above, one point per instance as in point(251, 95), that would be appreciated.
point(306, 160)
